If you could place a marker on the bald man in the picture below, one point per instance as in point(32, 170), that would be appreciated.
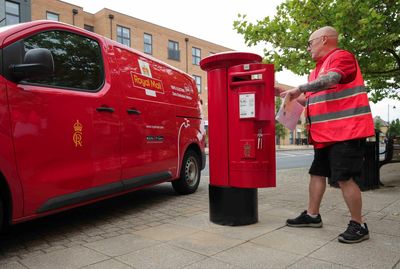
point(338, 121)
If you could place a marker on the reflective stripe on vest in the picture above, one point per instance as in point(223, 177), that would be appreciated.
point(336, 95)
point(340, 115)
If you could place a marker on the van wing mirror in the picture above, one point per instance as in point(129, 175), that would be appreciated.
point(37, 63)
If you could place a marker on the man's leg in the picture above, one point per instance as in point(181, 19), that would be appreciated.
point(319, 170)
point(356, 230)
point(348, 157)
point(316, 190)
point(352, 196)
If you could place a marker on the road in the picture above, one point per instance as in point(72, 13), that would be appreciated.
point(285, 159)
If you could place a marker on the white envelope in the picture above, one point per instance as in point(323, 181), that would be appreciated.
point(289, 113)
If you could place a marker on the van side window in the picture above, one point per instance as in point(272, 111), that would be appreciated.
point(77, 60)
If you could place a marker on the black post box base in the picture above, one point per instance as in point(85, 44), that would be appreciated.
point(233, 206)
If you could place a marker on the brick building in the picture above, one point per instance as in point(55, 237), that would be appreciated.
point(175, 48)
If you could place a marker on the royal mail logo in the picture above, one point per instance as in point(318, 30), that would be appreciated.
point(147, 82)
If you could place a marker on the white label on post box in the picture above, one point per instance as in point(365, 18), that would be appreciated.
point(247, 105)
point(256, 76)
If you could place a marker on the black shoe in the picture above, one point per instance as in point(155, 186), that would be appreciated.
point(355, 233)
point(305, 220)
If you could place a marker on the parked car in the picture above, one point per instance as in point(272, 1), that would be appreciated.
point(84, 118)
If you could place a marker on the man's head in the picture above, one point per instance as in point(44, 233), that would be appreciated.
point(322, 41)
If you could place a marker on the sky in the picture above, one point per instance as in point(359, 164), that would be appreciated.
point(212, 20)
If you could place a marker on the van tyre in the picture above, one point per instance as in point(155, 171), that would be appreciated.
point(189, 179)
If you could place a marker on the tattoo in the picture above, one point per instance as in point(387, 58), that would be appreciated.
point(322, 83)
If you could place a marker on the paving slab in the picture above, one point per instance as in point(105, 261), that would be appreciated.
point(356, 255)
point(385, 226)
point(71, 258)
point(254, 256)
point(206, 243)
point(12, 265)
point(302, 241)
point(211, 263)
point(161, 256)
point(108, 264)
point(166, 232)
point(121, 244)
point(310, 263)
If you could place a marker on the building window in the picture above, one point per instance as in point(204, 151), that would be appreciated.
point(12, 13)
point(173, 50)
point(89, 27)
point(196, 56)
point(197, 79)
point(148, 43)
point(52, 16)
point(124, 35)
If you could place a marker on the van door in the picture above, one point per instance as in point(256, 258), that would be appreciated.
point(66, 126)
point(148, 140)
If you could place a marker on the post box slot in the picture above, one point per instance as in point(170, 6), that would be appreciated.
point(246, 82)
point(241, 78)
point(249, 77)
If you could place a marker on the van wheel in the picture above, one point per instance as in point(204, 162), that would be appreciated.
point(189, 179)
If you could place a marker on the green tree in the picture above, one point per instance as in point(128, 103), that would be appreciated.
point(368, 28)
point(394, 128)
point(378, 124)
point(280, 130)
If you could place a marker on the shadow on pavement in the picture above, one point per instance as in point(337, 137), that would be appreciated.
point(43, 230)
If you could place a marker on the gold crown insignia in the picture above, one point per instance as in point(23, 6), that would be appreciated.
point(78, 126)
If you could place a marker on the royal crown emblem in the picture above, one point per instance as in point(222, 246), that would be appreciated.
point(77, 136)
point(247, 150)
point(78, 126)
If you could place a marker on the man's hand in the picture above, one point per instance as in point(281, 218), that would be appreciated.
point(293, 93)
point(278, 91)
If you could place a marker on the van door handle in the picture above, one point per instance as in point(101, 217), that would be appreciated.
point(105, 109)
point(133, 111)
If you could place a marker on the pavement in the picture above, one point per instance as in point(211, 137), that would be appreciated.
point(155, 228)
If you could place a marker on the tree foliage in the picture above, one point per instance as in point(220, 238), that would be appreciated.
point(368, 28)
point(378, 124)
point(394, 128)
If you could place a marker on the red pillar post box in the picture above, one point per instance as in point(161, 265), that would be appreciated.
point(241, 119)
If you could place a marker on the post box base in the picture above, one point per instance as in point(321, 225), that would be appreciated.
point(233, 206)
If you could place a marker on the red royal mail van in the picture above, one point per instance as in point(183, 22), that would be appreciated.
point(84, 118)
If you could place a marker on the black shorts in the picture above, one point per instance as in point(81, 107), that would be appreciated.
point(340, 161)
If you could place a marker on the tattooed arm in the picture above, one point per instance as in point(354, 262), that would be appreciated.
point(322, 83)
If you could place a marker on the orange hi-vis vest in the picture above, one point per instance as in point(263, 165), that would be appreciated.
point(341, 112)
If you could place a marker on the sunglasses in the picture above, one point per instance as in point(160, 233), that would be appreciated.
point(310, 42)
